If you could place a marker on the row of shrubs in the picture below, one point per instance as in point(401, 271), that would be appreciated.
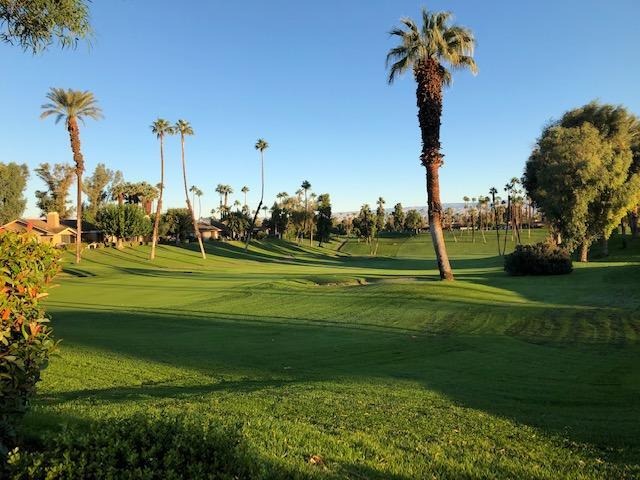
point(545, 258)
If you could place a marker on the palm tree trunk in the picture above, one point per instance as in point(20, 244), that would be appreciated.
point(156, 222)
point(255, 215)
point(429, 77)
point(435, 223)
point(189, 206)
point(74, 136)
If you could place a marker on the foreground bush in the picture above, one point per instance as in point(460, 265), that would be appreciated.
point(136, 448)
point(538, 259)
point(26, 268)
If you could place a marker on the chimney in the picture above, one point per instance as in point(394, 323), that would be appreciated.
point(53, 219)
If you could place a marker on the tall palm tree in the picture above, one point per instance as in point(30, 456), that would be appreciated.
point(245, 190)
point(71, 106)
point(196, 192)
point(183, 128)
point(220, 191)
point(305, 188)
point(261, 145)
point(426, 51)
point(227, 190)
point(493, 192)
point(160, 128)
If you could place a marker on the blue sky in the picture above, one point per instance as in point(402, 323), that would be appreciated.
point(309, 77)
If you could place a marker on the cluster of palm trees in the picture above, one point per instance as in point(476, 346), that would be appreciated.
point(293, 216)
point(162, 128)
point(485, 213)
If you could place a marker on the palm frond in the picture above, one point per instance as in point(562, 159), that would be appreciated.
point(450, 45)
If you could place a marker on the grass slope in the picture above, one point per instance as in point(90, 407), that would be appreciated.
point(366, 362)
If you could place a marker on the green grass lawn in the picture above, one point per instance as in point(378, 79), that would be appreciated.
point(367, 362)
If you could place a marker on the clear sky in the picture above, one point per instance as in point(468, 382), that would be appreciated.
point(309, 77)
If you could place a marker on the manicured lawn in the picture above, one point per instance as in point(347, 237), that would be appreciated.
point(367, 362)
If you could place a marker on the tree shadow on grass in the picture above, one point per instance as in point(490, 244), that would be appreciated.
point(578, 391)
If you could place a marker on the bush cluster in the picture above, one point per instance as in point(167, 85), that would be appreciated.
point(26, 268)
point(139, 447)
point(539, 259)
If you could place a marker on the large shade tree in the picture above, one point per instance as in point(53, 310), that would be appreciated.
point(427, 51)
point(95, 188)
point(160, 128)
point(580, 180)
point(36, 24)
point(183, 128)
point(621, 127)
point(13, 181)
point(58, 178)
point(71, 106)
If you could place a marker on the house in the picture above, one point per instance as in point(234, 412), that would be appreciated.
point(50, 230)
point(209, 231)
point(55, 231)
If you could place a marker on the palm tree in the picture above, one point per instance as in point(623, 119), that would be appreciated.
point(261, 146)
point(160, 128)
point(183, 128)
point(220, 191)
point(245, 190)
point(425, 51)
point(71, 106)
point(226, 190)
point(493, 192)
point(196, 192)
point(305, 187)
point(264, 209)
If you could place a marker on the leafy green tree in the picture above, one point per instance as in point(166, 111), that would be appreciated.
point(398, 217)
point(36, 24)
point(123, 222)
point(95, 188)
point(426, 51)
point(13, 181)
point(261, 145)
point(177, 222)
point(380, 214)
point(569, 173)
point(71, 106)
point(323, 219)
point(365, 223)
point(279, 219)
point(622, 129)
point(58, 179)
point(160, 128)
point(183, 128)
point(237, 223)
point(413, 221)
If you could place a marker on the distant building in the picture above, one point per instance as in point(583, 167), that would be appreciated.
point(50, 231)
point(54, 231)
point(208, 231)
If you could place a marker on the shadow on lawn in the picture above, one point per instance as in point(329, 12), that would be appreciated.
point(571, 390)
